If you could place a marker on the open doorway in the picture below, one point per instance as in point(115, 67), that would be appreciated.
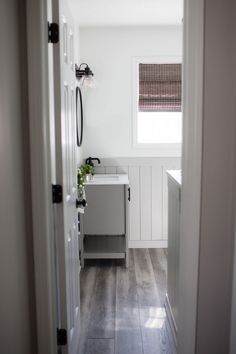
point(194, 36)
point(132, 123)
point(141, 229)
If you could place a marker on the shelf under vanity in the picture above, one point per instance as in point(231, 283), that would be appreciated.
point(104, 246)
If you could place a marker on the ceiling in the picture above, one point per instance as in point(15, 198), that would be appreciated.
point(127, 12)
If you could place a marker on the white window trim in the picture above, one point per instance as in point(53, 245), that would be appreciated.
point(159, 149)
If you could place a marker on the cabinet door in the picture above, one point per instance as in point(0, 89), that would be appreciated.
point(105, 212)
point(173, 247)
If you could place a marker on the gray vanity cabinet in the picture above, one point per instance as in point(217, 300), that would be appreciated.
point(174, 208)
point(105, 223)
point(105, 212)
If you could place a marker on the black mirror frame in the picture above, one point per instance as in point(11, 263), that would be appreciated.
point(79, 136)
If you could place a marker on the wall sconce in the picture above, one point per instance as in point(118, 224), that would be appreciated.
point(85, 75)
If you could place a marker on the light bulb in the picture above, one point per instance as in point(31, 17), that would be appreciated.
point(89, 82)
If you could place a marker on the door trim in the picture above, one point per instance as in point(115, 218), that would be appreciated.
point(193, 73)
point(41, 173)
point(233, 305)
point(37, 45)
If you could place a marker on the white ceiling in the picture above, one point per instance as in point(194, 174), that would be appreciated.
point(127, 12)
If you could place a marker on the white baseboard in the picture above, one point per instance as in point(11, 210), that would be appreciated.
point(171, 319)
point(148, 244)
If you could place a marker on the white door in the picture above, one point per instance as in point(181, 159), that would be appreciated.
point(66, 216)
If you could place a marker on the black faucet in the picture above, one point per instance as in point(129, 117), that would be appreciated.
point(89, 160)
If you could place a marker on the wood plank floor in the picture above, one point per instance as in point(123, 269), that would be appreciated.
point(122, 310)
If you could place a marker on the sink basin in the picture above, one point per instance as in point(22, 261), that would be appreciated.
point(108, 179)
point(99, 177)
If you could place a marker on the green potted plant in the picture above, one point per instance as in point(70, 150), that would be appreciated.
point(84, 174)
point(87, 171)
point(80, 183)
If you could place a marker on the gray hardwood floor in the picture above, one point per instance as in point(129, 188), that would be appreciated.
point(122, 310)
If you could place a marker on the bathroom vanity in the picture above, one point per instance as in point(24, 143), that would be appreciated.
point(105, 222)
point(174, 208)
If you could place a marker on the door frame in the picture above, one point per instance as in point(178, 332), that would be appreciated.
point(42, 211)
point(37, 42)
point(193, 91)
point(233, 306)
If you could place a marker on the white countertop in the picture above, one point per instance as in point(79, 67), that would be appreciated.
point(175, 175)
point(109, 179)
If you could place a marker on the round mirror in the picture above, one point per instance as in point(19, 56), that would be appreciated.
point(79, 116)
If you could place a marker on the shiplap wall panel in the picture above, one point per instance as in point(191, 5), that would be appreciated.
point(145, 202)
point(149, 196)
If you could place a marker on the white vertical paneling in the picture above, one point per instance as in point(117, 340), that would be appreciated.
point(111, 170)
point(134, 203)
point(149, 203)
point(157, 202)
point(146, 202)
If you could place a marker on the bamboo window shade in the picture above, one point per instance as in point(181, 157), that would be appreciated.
point(159, 88)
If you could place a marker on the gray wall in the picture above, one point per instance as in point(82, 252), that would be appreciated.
point(216, 242)
point(17, 325)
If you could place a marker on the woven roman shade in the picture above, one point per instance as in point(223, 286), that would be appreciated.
point(159, 87)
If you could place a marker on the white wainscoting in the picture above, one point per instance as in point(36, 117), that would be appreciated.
point(149, 198)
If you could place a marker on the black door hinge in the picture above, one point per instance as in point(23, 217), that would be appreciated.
point(57, 193)
point(53, 32)
point(61, 336)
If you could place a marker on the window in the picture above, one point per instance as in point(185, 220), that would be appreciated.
point(157, 111)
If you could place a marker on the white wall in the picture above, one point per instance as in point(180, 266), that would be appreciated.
point(108, 107)
point(17, 311)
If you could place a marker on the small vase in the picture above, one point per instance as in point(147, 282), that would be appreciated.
point(88, 177)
